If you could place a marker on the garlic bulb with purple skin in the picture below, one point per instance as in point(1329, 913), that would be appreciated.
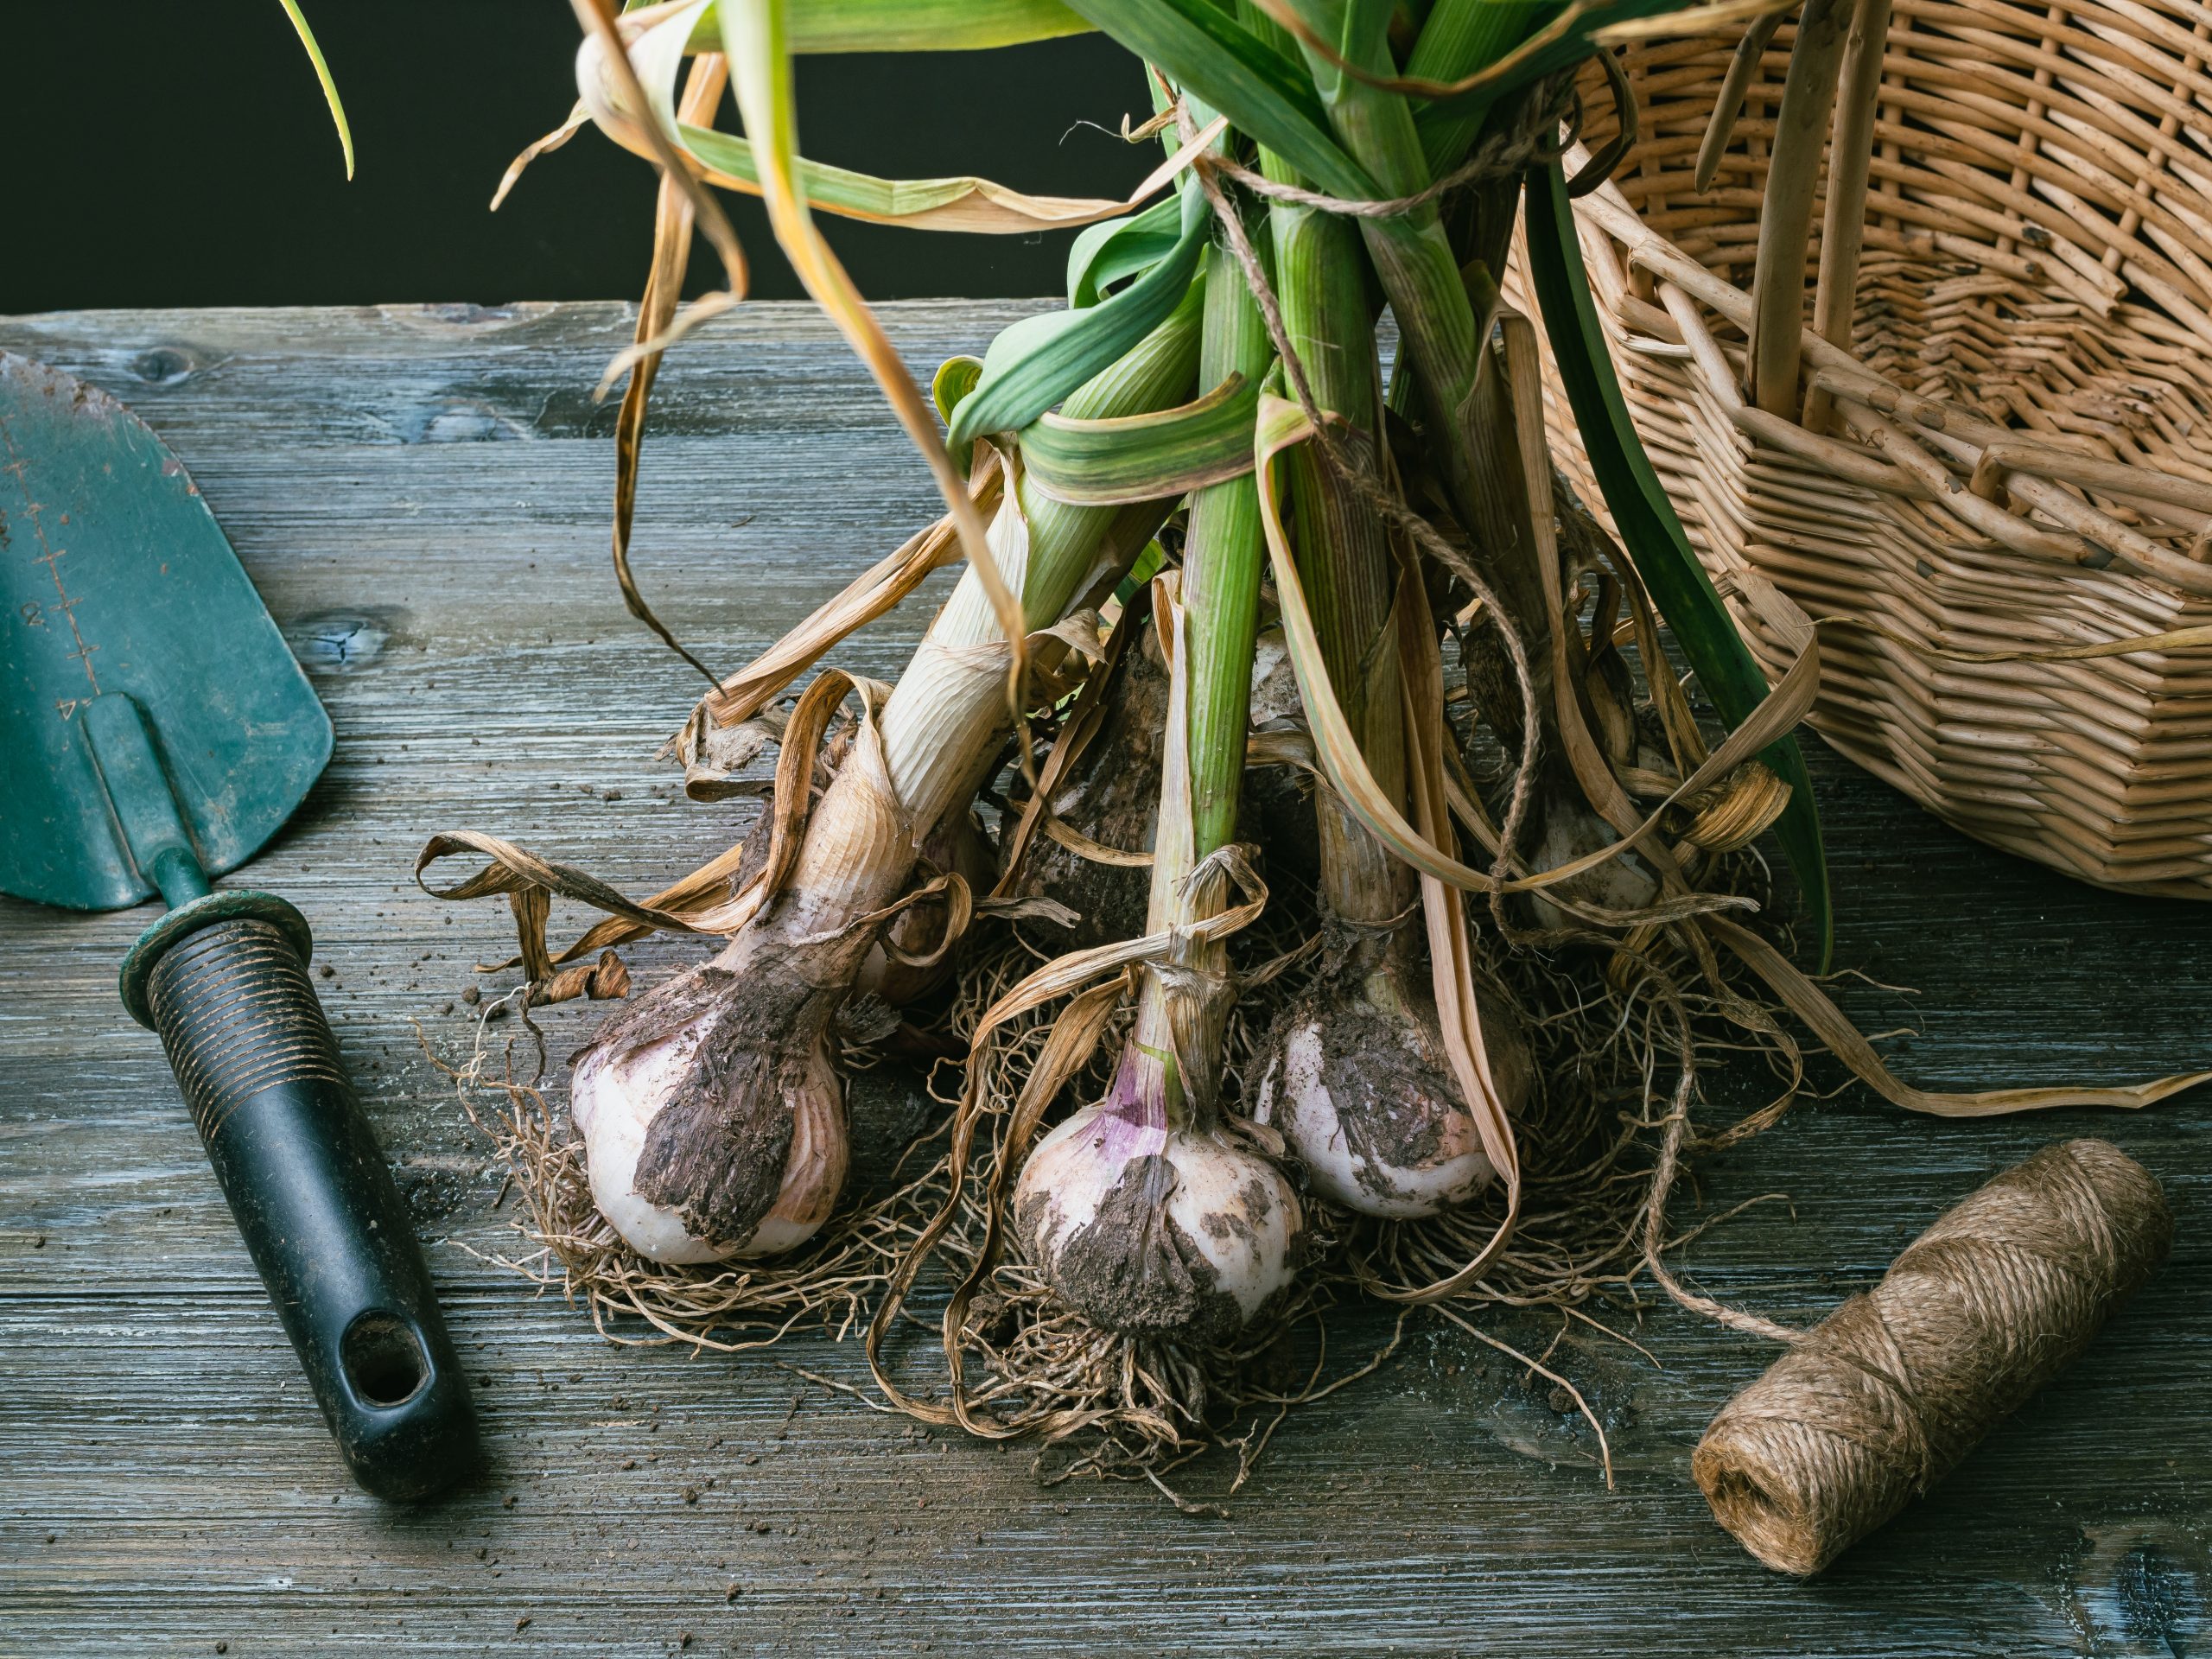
point(1151, 1231)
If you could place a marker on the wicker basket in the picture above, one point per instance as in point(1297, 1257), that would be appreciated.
point(1959, 386)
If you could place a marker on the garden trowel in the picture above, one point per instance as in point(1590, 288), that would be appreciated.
point(155, 731)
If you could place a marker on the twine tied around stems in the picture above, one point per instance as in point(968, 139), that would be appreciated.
point(1878, 1401)
point(1535, 139)
point(1547, 123)
point(1379, 489)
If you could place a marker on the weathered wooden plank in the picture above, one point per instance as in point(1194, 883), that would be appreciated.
point(421, 496)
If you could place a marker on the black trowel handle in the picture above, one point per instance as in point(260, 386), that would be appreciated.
point(300, 1168)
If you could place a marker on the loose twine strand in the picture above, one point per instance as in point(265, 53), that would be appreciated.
point(1663, 1176)
point(1882, 1398)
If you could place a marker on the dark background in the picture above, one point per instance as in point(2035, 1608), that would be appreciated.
point(162, 153)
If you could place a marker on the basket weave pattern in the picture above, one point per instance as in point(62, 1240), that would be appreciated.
point(1992, 430)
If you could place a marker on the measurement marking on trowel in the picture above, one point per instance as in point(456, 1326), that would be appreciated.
point(51, 557)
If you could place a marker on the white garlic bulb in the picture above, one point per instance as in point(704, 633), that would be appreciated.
point(751, 1166)
point(1358, 1087)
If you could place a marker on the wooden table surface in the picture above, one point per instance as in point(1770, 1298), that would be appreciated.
point(422, 496)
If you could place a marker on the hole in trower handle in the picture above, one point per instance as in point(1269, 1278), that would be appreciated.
point(382, 1359)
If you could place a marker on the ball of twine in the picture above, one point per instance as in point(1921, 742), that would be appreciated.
point(1879, 1400)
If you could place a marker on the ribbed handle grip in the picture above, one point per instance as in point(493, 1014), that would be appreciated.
point(315, 1201)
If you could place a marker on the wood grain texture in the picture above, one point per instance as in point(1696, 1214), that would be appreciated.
point(421, 495)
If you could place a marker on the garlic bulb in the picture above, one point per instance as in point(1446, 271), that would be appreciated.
point(1358, 1087)
point(1153, 1231)
point(1566, 828)
point(699, 1151)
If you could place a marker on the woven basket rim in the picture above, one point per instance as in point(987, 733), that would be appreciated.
point(1858, 73)
point(2007, 463)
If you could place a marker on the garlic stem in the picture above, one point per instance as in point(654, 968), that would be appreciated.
point(1142, 1213)
point(944, 720)
point(1209, 622)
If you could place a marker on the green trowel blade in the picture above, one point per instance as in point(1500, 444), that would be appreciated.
point(116, 577)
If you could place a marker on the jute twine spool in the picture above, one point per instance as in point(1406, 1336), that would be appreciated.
point(1879, 1400)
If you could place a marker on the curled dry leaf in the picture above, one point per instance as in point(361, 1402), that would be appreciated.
point(658, 39)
